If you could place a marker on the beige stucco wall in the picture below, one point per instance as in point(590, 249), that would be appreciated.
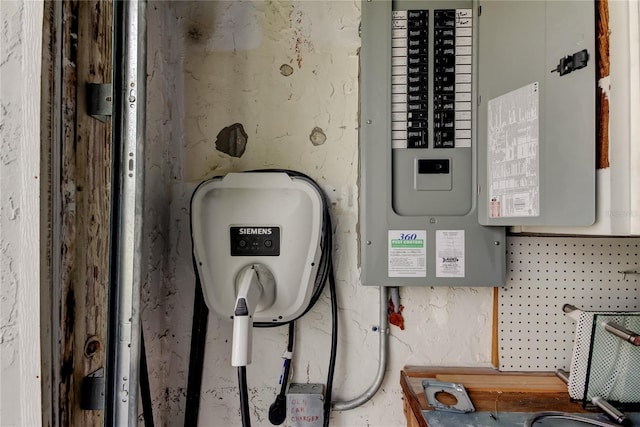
point(213, 64)
point(288, 72)
point(20, 59)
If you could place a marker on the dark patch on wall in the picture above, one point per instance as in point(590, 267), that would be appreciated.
point(317, 136)
point(194, 34)
point(232, 140)
point(286, 70)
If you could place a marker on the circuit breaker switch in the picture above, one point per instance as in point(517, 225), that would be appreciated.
point(433, 166)
point(433, 175)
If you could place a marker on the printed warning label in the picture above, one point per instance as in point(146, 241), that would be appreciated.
point(449, 253)
point(512, 158)
point(407, 253)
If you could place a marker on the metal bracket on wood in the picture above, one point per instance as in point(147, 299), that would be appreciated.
point(92, 396)
point(460, 402)
point(99, 100)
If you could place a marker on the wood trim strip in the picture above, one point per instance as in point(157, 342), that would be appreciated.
point(495, 338)
point(86, 198)
point(603, 71)
point(411, 399)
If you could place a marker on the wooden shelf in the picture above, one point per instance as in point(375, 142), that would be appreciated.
point(489, 390)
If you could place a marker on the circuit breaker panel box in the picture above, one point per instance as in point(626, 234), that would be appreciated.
point(435, 144)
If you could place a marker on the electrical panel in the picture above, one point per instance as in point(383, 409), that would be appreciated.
point(537, 115)
point(443, 157)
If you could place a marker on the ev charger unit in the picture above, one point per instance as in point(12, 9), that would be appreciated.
point(257, 246)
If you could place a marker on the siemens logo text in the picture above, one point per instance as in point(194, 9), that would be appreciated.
point(266, 231)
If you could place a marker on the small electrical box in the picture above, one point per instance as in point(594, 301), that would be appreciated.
point(305, 403)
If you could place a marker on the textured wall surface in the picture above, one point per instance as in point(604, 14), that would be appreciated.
point(20, 58)
point(232, 86)
point(244, 85)
point(163, 179)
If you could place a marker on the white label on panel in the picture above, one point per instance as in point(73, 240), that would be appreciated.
point(463, 133)
point(399, 76)
point(449, 253)
point(399, 42)
point(463, 69)
point(463, 59)
point(513, 168)
point(407, 253)
point(463, 115)
point(398, 117)
point(398, 61)
point(399, 51)
point(464, 31)
point(399, 88)
point(398, 33)
point(464, 17)
point(463, 97)
point(399, 97)
point(398, 70)
point(400, 107)
point(462, 78)
point(399, 134)
point(462, 142)
point(399, 14)
point(399, 80)
point(463, 41)
point(463, 124)
point(398, 125)
point(463, 50)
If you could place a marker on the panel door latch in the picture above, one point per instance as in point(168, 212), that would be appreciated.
point(572, 62)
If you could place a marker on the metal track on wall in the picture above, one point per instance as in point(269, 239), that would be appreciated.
point(543, 274)
point(129, 87)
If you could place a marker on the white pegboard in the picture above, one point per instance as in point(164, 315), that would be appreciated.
point(543, 274)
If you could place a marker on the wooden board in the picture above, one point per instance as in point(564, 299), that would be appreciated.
point(506, 383)
point(490, 390)
point(85, 185)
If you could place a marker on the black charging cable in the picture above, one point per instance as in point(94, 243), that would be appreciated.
point(145, 389)
point(244, 396)
point(334, 347)
point(278, 409)
point(196, 353)
point(326, 246)
point(325, 274)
